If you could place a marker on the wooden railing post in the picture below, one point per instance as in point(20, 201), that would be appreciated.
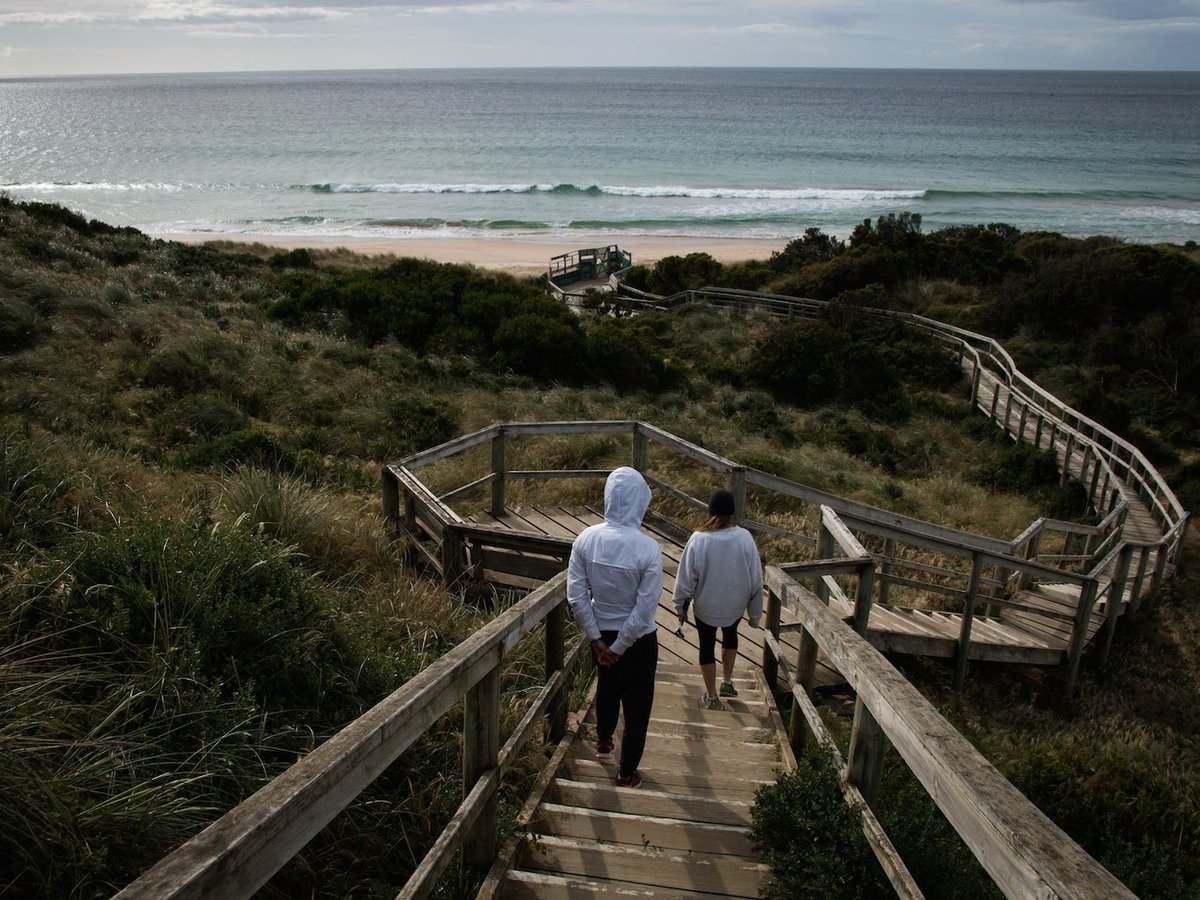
point(964, 635)
point(1096, 504)
point(1031, 553)
point(1083, 617)
point(737, 487)
point(641, 449)
point(770, 665)
point(1160, 571)
point(454, 555)
point(867, 743)
point(1116, 594)
point(481, 752)
point(498, 470)
point(556, 654)
point(862, 597)
point(885, 571)
point(1140, 577)
point(1068, 452)
point(825, 545)
point(391, 499)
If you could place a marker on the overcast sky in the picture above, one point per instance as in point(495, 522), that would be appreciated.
point(63, 37)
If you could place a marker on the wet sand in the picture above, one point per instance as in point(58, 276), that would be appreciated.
point(513, 255)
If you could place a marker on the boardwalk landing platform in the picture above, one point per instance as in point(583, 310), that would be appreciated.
point(1039, 633)
point(683, 832)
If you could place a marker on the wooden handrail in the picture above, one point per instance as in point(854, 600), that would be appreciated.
point(1024, 853)
point(1107, 444)
point(236, 855)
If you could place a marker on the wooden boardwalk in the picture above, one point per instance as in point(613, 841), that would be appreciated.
point(683, 832)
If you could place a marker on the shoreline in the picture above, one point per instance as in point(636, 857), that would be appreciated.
point(514, 255)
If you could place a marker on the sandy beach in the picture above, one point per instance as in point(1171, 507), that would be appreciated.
point(516, 256)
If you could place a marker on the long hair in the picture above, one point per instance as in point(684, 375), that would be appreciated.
point(716, 523)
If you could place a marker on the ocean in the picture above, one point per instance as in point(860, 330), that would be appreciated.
point(592, 154)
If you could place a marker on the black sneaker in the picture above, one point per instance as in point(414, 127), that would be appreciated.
point(632, 780)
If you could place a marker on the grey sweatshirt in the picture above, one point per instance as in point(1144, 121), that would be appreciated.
point(721, 573)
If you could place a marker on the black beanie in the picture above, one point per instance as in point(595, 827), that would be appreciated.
point(720, 503)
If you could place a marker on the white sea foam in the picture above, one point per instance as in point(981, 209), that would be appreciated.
point(836, 195)
point(97, 186)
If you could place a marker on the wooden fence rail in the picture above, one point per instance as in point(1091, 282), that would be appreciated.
point(239, 852)
point(1024, 853)
point(973, 572)
point(1029, 413)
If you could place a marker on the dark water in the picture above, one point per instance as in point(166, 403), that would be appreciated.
point(556, 153)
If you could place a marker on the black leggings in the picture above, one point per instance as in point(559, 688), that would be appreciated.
point(627, 684)
point(707, 636)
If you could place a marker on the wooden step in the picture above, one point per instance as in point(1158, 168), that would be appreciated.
point(645, 801)
point(656, 776)
point(690, 756)
point(522, 885)
point(656, 832)
point(730, 876)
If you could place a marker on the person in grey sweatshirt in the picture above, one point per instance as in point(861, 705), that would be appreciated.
point(614, 581)
point(720, 576)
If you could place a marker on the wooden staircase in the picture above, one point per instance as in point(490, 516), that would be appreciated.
point(683, 832)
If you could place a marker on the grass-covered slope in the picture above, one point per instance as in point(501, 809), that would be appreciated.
point(195, 587)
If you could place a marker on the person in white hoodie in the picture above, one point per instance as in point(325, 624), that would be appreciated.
point(614, 581)
point(720, 576)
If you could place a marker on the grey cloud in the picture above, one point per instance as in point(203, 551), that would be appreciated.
point(1127, 10)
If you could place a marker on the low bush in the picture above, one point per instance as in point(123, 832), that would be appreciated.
point(1120, 809)
point(197, 417)
point(811, 838)
point(244, 447)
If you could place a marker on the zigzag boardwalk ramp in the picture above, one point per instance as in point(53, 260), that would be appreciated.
point(683, 831)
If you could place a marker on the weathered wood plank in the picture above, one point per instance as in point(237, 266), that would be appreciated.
point(668, 804)
point(729, 876)
point(643, 831)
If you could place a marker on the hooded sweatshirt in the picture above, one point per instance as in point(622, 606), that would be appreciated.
point(615, 576)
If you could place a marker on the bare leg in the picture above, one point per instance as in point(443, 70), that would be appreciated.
point(709, 671)
point(728, 658)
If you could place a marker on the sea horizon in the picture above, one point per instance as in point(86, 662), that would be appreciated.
point(582, 152)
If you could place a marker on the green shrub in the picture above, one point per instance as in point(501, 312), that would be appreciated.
point(298, 258)
point(815, 246)
point(626, 355)
point(419, 424)
point(197, 416)
point(1124, 811)
point(21, 326)
point(935, 855)
point(244, 447)
point(35, 497)
point(811, 838)
point(227, 607)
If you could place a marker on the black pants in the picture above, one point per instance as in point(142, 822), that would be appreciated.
point(706, 636)
point(627, 685)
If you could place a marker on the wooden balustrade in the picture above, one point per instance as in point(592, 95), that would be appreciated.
point(239, 852)
point(1024, 853)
